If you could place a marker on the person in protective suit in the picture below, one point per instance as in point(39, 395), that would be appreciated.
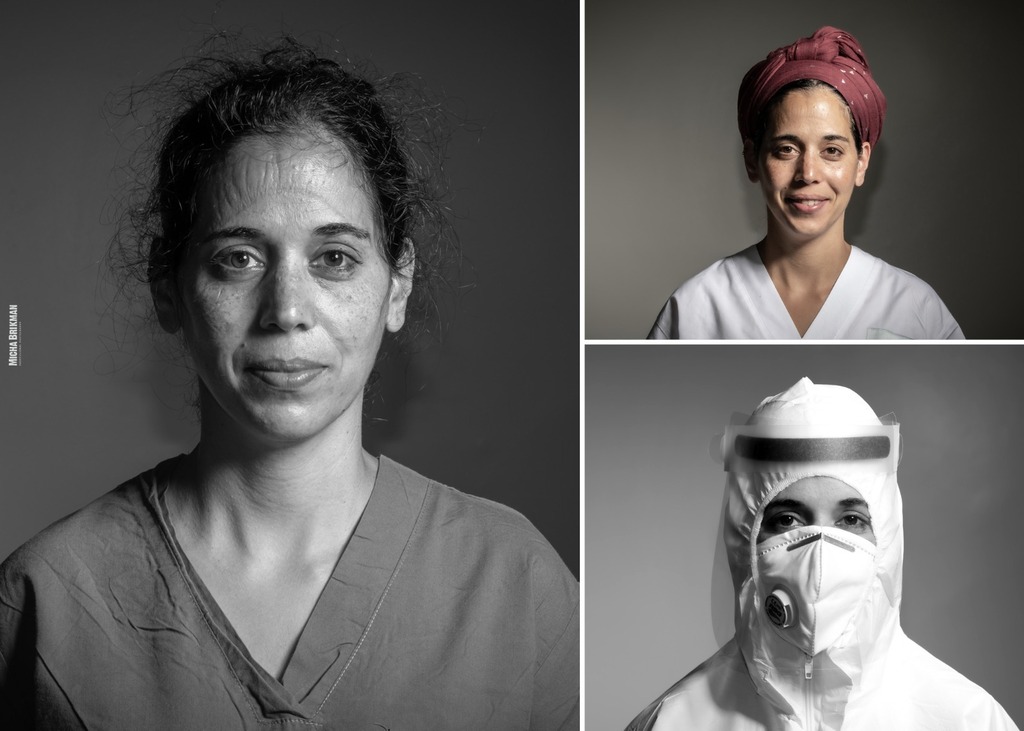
point(813, 531)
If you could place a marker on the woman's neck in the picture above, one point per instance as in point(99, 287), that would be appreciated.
point(811, 264)
point(272, 501)
point(804, 271)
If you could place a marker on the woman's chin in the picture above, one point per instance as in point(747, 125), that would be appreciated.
point(283, 421)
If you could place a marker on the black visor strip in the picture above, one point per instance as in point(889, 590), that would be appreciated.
point(816, 449)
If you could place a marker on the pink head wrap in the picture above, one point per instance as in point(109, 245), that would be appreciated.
point(830, 55)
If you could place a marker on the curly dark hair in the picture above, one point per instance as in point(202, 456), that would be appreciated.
point(393, 134)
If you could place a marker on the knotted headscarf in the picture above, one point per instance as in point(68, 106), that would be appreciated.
point(830, 55)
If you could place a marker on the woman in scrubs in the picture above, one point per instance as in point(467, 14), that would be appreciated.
point(810, 115)
point(279, 573)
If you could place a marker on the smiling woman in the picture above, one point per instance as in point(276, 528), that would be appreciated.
point(279, 573)
point(809, 116)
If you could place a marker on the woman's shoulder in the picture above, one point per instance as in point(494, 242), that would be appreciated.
point(717, 694)
point(694, 309)
point(927, 682)
point(108, 525)
point(894, 277)
point(477, 530)
point(905, 294)
point(465, 514)
point(710, 280)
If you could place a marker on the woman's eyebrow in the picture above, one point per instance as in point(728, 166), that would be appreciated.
point(853, 502)
point(333, 229)
point(786, 503)
point(233, 232)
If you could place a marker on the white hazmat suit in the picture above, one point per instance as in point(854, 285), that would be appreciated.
point(818, 644)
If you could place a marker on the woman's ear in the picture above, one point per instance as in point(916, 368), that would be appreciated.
point(750, 161)
point(165, 300)
point(401, 287)
point(863, 158)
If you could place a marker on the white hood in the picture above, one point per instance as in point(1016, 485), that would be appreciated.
point(822, 430)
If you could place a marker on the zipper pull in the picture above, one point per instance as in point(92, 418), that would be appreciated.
point(808, 667)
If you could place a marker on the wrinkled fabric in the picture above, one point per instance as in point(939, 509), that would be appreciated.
point(735, 298)
point(444, 611)
point(871, 677)
point(830, 55)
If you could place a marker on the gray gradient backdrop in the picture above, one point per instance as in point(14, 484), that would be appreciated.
point(494, 410)
point(654, 497)
point(666, 194)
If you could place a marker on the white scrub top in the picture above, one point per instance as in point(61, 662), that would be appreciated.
point(735, 298)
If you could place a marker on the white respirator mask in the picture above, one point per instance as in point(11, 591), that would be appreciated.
point(812, 581)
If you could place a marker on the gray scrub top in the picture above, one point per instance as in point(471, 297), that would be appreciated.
point(445, 611)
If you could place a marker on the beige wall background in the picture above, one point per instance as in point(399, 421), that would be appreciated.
point(666, 194)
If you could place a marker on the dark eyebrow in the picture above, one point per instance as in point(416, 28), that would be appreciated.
point(853, 502)
point(333, 229)
point(790, 503)
point(827, 138)
point(250, 234)
point(233, 232)
point(786, 503)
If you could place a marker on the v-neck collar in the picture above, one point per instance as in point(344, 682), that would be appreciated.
point(839, 308)
point(343, 614)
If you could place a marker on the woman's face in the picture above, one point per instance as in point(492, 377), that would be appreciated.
point(284, 294)
point(808, 164)
point(823, 501)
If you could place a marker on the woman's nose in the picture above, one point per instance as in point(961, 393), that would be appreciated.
point(286, 301)
point(806, 168)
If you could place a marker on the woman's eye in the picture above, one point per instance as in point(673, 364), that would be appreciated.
point(336, 260)
point(854, 522)
point(782, 522)
point(236, 261)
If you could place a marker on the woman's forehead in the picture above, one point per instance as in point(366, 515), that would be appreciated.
point(816, 108)
point(819, 491)
point(299, 173)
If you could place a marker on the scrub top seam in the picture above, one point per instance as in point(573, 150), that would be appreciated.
point(63, 692)
point(561, 636)
point(380, 602)
point(246, 694)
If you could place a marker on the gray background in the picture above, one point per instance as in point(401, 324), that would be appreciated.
point(494, 410)
point(654, 497)
point(666, 194)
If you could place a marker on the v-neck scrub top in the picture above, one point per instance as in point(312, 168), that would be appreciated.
point(445, 611)
point(735, 298)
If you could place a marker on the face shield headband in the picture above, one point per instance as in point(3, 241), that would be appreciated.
point(802, 448)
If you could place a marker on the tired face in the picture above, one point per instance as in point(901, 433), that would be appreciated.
point(284, 293)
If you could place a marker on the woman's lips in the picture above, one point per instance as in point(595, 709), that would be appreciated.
point(286, 375)
point(806, 205)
